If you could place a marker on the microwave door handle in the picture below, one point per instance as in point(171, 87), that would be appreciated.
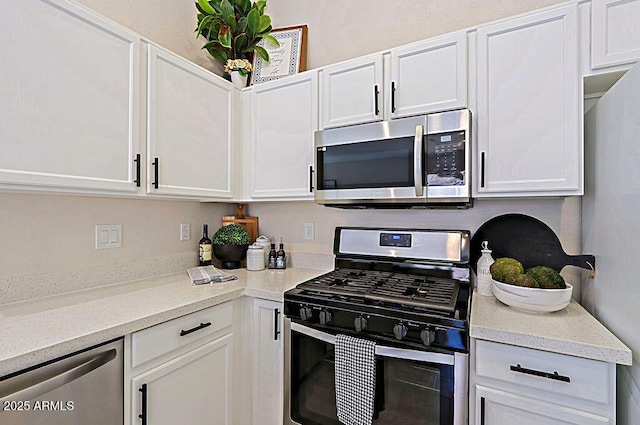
point(417, 160)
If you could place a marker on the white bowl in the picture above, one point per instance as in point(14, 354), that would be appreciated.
point(533, 300)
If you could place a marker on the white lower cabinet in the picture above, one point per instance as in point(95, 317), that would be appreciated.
point(504, 408)
point(516, 385)
point(193, 389)
point(267, 362)
point(182, 371)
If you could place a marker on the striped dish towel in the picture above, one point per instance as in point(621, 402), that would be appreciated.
point(355, 371)
point(208, 274)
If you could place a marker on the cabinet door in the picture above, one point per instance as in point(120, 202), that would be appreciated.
point(529, 124)
point(268, 361)
point(495, 407)
point(190, 128)
point(280, 152)
point(68, 99)
point(429, 76)
point(351, 92)
point(615, 33)
point(193, 389)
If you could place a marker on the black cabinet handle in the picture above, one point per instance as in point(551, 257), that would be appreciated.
point(310, 178)
point(482, 159)
point(393, 96)
point(137, 161)
point(481, 410)
point(376, 93)
point(555, 376)
point(276, 331)
point(155, 173)
point(143, 415)
point(197, 328)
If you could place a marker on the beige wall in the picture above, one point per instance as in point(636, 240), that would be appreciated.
point(170, 23)
point(340, 30)
point(54, 233)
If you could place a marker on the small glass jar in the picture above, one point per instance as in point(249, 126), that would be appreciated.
point(255, 258)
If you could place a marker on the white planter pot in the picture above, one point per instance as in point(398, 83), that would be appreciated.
point(238, 80)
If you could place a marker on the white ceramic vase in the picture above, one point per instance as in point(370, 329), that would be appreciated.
point(238, 79)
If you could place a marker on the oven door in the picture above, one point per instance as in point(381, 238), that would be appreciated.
point(413, 387)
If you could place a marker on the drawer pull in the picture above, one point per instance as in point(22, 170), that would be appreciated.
point(554, 375)
point(197, 328)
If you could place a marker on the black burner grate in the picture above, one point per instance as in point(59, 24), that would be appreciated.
point(400, 290)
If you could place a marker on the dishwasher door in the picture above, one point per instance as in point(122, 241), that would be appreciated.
point(84, 388)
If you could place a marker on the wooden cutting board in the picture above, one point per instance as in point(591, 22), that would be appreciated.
point(526, 239)
point(250, 224)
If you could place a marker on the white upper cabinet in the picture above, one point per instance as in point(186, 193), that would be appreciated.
point(282, 117)
point(615, 32)
point(68, 99)
point(352, 92)
point(429, 76)
point(190, 128)
point(415, 79)
point(529, 91)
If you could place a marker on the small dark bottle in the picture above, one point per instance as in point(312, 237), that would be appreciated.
point(281, 257)
point(271, 262)
point(206, 247)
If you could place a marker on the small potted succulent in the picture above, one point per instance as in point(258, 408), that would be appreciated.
point(230, 244)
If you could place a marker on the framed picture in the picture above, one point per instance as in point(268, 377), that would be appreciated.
point(287, 59)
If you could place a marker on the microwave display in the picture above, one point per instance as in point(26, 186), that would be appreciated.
point(445, 159)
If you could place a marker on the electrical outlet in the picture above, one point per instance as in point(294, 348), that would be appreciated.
point(309, 231)
point(108, 236)
point(185, 231)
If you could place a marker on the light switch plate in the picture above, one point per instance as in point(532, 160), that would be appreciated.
point(108, 236)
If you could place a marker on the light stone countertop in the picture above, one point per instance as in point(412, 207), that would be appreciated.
point(32, 332)
point(571, 331)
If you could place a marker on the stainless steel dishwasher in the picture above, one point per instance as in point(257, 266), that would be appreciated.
point(84, 388)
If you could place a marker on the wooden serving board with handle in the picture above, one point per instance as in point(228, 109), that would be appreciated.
point(250, 224)
point(526, 239)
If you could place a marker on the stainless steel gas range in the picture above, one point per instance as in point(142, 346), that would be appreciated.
point(407, 290)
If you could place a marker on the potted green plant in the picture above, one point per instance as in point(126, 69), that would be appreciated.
point(230, 244)
point(233, 29)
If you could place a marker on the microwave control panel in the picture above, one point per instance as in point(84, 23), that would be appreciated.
point(445, 158)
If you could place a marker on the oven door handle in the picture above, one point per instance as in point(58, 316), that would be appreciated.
point(381, 350)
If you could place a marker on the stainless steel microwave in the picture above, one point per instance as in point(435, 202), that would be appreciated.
point(419, 161)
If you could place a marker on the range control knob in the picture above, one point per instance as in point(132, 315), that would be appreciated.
point(400, 331)
point(305, 313)
point(325, 317)
point(360, 323)
point(427, 336)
